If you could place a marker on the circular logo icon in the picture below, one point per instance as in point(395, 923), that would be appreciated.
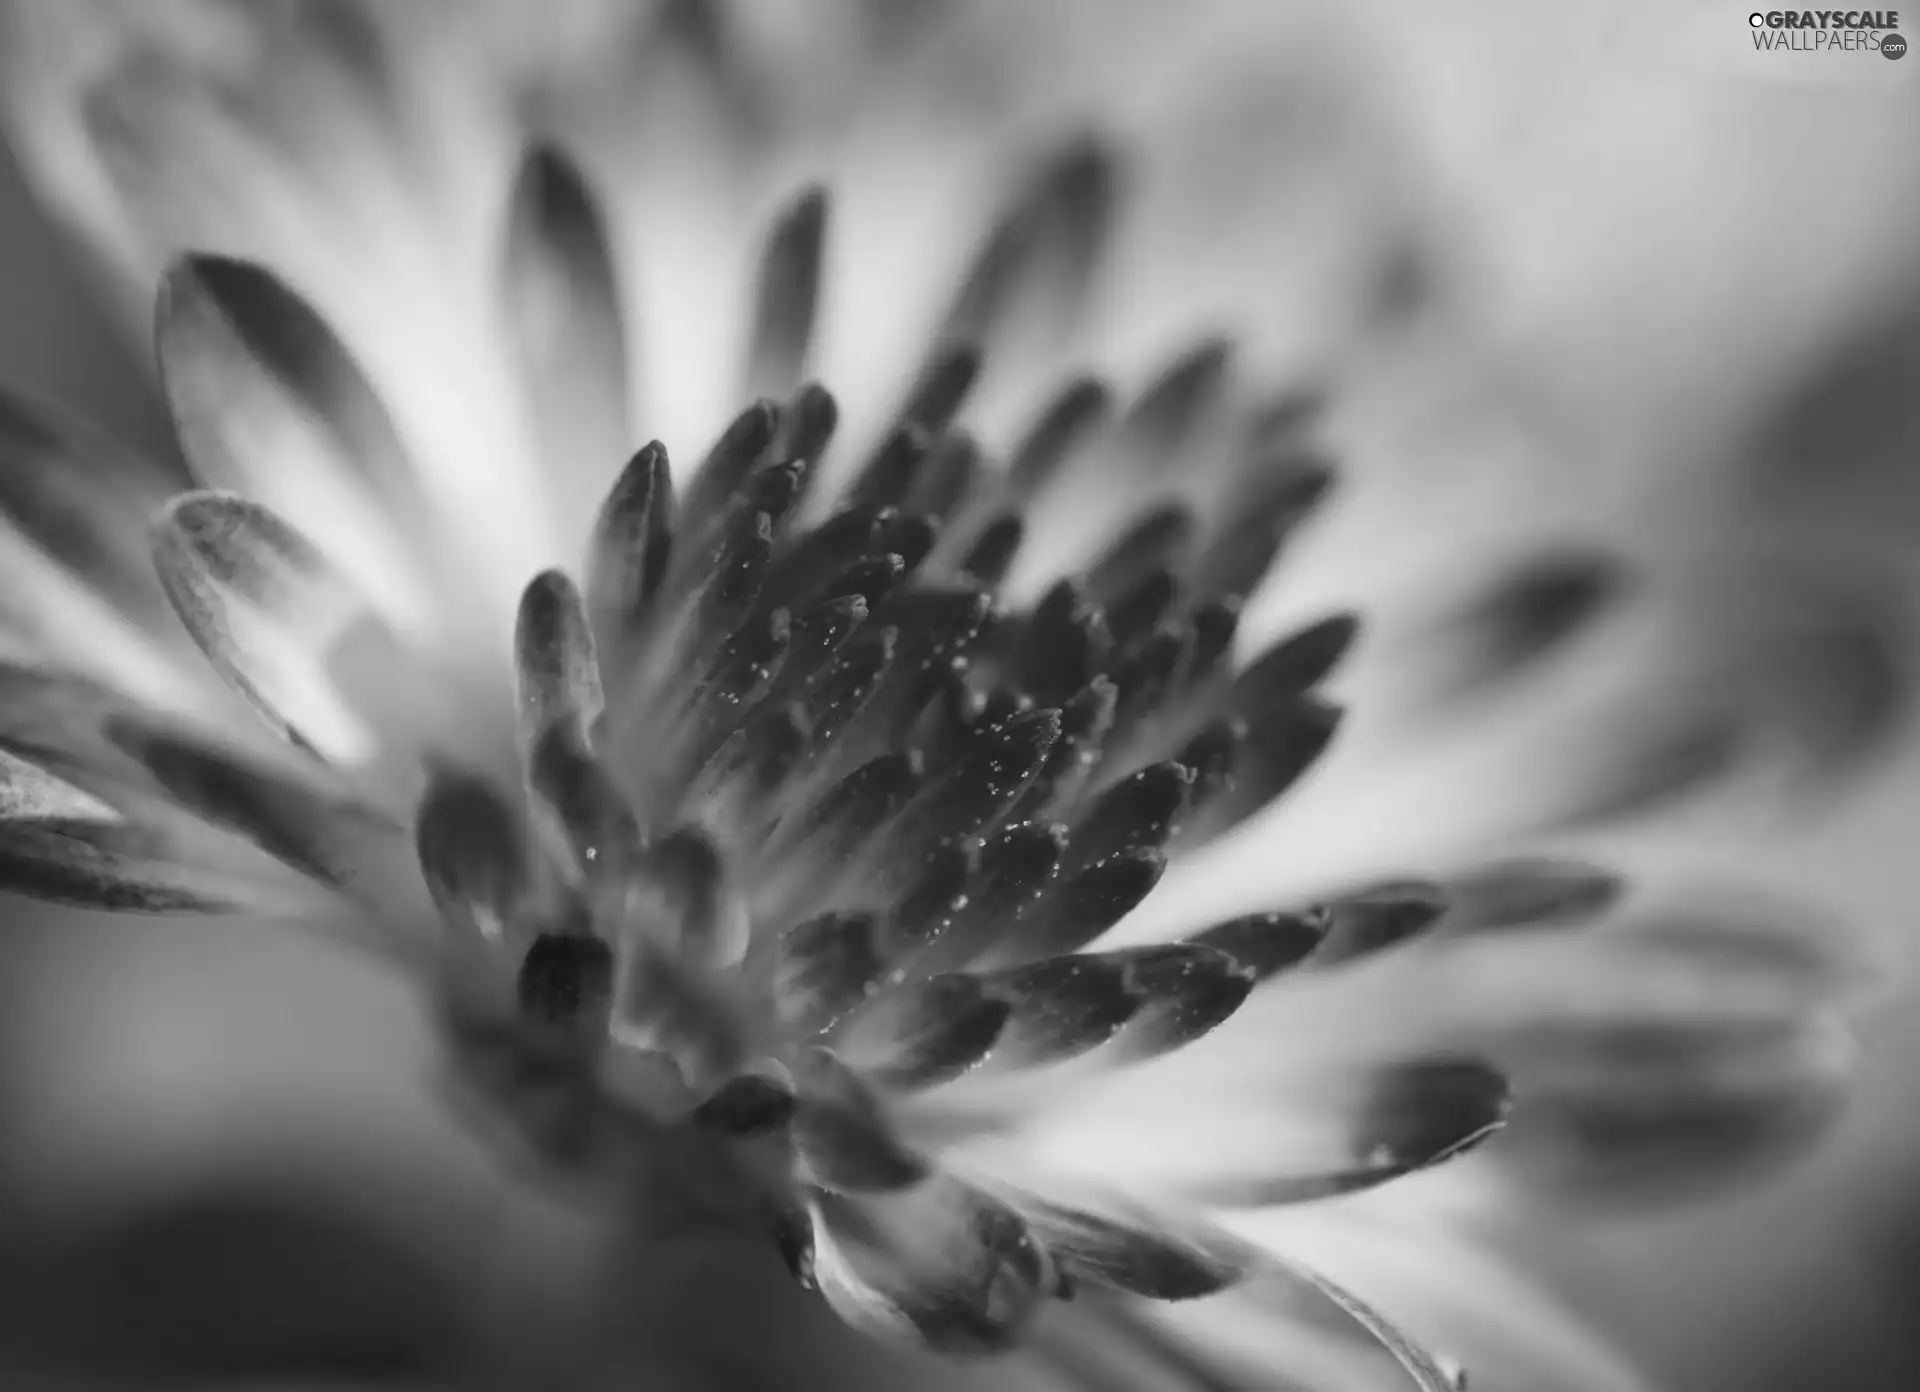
point(1893, 46)
point(1757, 20)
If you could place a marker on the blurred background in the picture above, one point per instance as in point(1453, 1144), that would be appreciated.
point(1690, 278)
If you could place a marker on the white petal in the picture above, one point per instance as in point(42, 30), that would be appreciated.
point(268, 610)
point(1451, 1291)
point(268, 402)
point(561, 302)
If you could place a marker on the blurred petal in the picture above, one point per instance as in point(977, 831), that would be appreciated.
point(1225, 1135)
point(61, 844)
point(270, 612)
point(1530, 613)
point(1683, 1045)
point(1283, 1327)
point(83, 500)
point(1456, 1297)
point(787, 295)
point(268, 401)
point(562, 306)
point(1107, 1240)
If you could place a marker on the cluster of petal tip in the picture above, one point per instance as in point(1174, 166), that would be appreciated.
point(820, 830)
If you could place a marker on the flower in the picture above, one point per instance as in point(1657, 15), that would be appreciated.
point(782, 879)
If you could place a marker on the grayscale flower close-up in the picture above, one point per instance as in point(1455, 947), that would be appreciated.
point(840, 694)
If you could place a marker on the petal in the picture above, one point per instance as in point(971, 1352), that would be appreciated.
point(1156, 540)
point(788, 293)
point(1164, 421)
point(844, 1138)
point(979, 787)
point(1281, 744)
point(931, 902)
point(578, 806)
point(1660, 1119)
point(749, 1106)
point(1372, 920)
point(1111, 1241)
point(926, 1033)
point(557, 668)
point(60, 843)
point(268, 402)
point(685, 890)
point(819, 847)
point(1654, 759)
point(1061, 1007)
point(632, 543)
point(1351, 1329)
point(1137, 613)
point(84, 501)
point(1409, 1117)
point(566, 988)
point(1531, 892)
point(1296, 664)
point(662, 1005)
point(807, 424)
point(98, 868)
point(820, 557)
point(890, 475)
point(1458, 1297)
point(1074, 418)
point(1287, 493)
point(1029, 281)
point(956, 477)
point(820, 630)
point(77, 589)
point(1074, 911)
point(472, 850)
point(1140, 812)
point(936, 630)
point(151, 803)
point(89, 847)
point(1835, 681)
point(271, 614)
point(988, 559)
point(1533, 611)
point(1696, 1038)
point(1281, 1327)
point(1266, 943)
point(1236, 1132)
point(1086, 722)
point(1009, 876)
point(720, 593)
point(1184, 990)
point(717, 483)
point(561, 300)
point(325, 838)
point(1703, 966)
point(942, 1264)
point(820, 969)
point(1062, 644)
